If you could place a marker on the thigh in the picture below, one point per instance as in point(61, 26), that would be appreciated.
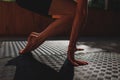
point(38, 6)
point(62, 7)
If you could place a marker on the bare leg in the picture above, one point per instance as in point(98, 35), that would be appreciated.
point(79, 21)
point(72, 47)
point(57, 27)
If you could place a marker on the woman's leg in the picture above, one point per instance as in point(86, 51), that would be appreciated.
point(57, 27)
point(72, 46)
point(79, 21)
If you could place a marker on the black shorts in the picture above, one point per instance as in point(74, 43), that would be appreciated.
point(37, 6)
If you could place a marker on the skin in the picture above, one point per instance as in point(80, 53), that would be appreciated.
point(77, 20)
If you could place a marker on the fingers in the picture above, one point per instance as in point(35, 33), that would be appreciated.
point(21, 51)
point(32, 39)
point(79, 49)
point(32, 44)
point(33, 34)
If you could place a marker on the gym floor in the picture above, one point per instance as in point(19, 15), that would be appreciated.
point(48, 62)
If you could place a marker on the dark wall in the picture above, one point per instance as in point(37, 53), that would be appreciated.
point(16, 21)
point(102, 23)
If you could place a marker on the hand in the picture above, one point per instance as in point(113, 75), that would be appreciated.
point(34, 41)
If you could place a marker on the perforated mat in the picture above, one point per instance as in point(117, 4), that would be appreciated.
point(104, 61)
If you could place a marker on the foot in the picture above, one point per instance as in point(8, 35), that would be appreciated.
point(73, 61)
point(34, 41)
point(79, 49)
point(81, 62)
point(78, 63)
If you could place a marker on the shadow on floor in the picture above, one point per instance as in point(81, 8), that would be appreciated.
point(108, 46)
point(28, 68)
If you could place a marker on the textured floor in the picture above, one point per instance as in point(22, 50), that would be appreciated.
point(103, 57)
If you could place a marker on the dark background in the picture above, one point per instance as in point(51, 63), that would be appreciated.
point(16, 21)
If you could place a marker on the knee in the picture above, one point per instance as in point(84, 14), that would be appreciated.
point(69, 17)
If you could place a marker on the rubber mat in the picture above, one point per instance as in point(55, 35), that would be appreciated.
point(6, 72)
point(104, 62)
